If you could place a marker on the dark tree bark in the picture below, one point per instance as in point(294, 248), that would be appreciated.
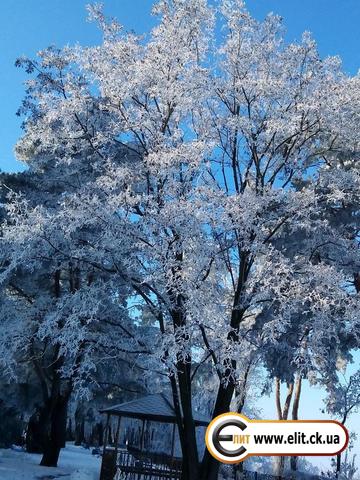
point(55, 431)
point(240, 396)
point(338, 465)
point(188, 431)
point(58, 395)
point(210, 466)
point(283, 413)
point(35, 431)
point(182, 392)
point(47, 427)
point(69, 431)
point(295, 415)
point(209, 469)
point(338, 457)
point(100, 430)
point(79, 426)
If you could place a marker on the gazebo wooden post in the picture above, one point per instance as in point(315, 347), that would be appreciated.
point(106, 435)
point(142, 436)
point(117, 434)
point(108, 463)
point(173, 441)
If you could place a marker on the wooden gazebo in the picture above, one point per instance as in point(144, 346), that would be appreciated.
point(128, 454)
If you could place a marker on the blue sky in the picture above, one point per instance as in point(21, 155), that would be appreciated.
point(27, 26)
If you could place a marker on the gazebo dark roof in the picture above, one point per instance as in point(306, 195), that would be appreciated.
point(157, 407)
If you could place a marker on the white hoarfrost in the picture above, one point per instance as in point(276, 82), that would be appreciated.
point(197, 199)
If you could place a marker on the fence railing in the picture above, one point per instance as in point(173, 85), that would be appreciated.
point(250, 475)
point(134, 464)
point(148, 466)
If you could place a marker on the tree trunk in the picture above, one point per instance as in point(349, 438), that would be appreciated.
point(295, 415)
point(240, 396)
point(69, 432)
point(283, 414)
point(100, 434)
point(185, 421)
point(189, 444)
point(188, 421)
point(278, 398)
point(55, 431)
point(338, 465)
point(338, 457)
point(79, 425)
point(190, 468)
point(210, 466)
point(35, 430)
point(288, 400)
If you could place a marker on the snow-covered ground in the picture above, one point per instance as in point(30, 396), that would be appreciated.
point(76, 463)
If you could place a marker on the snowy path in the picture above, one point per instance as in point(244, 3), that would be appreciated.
point(76, 463)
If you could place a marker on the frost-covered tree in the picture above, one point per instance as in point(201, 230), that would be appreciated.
point(200, 172)
point(343, 399)
point(55, 321)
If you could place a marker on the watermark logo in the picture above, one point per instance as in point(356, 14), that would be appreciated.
point(231, 437)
